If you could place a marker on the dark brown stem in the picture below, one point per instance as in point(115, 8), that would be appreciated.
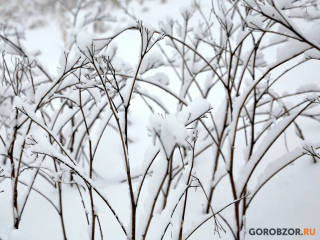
point(155, 201)
point(169, 184)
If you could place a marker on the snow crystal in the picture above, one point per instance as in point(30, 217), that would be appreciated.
point(173, 132)
point(307, 88)
point(96, 209)
point(283, 4)
point(186, 12)
point(160, 77)
point(194, 110)
point(84, 41)
point(312, 53)
point(153, 59)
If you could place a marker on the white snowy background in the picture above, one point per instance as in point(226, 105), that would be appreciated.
point(289, 200)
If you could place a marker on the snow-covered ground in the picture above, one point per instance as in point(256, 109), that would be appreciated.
point(288, 200)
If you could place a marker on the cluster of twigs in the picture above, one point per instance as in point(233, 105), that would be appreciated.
point(47, 122)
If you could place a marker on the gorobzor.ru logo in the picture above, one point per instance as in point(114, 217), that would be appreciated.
point(282, 231)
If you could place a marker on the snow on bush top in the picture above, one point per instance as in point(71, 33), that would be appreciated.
point(84, 41)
